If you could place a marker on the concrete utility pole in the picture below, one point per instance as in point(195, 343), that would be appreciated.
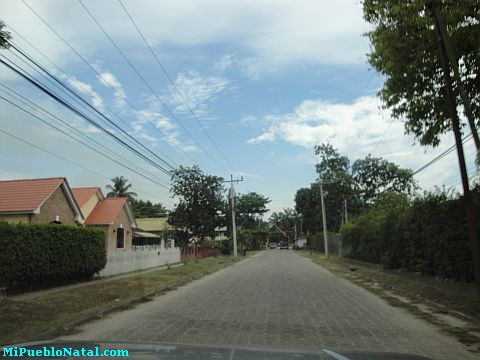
point(234, 226)
point(346, 212)
point(472, 217)
point(324, 218)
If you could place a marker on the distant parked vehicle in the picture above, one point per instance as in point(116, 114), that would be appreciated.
point(283, 246)
point(272, 245)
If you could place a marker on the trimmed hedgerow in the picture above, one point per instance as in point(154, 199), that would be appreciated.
point(429, 236)
point(42, 255)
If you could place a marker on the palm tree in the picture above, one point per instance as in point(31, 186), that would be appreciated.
point(120, 188)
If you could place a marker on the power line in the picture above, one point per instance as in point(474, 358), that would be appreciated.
point(145, 82)
point(175, 86)
point(62, 158)
point(96, 72)
point(79, 113)
point(59, 121)
point(441, 156)
point(64, 89)
point(86, 103)
point(81, 142)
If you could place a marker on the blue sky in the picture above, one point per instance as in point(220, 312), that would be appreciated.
point(267, 80)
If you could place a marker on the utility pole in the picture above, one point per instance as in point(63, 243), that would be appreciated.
point(324, 219)
point(444, 42)
point(472, 217)
point(234, 226)
point(346, 212)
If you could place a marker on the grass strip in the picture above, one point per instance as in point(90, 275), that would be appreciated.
point(49, 315)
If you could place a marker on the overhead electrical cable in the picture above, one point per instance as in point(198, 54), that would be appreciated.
point(79, 113)
point(75, 97)
point(124, 98)
point(93, 108)
point(78, 140)
point(179, 93)
point(146, 83)
point(66, 125)
point(63, 158)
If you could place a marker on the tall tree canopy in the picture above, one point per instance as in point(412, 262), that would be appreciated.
point(248, 207)
point(285, 220)
point(372, 176)
point(146, 209)
point(333, 170)
point(4, 36)
point(360, 185)
point(200, 199)
point(306, 204)
point(120, 187)
point(405, 52)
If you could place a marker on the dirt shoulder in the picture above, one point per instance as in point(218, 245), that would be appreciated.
point(52, 313)
point(451, 306)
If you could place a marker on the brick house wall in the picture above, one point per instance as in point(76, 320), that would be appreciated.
point(56, 204)
point(127, 226)
point(111, 237)
point(16, 218)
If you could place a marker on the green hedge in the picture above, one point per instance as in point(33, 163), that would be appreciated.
point(428, 236)
point(41, 255)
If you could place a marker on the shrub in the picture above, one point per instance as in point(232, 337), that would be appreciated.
point(428, 236)
point(38, 255)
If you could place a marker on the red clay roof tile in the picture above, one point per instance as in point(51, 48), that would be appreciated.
point(82, 195)
point(106, 211)
point(26, 195)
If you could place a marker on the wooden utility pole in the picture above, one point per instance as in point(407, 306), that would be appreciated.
point(472, 217)
point(450, 55)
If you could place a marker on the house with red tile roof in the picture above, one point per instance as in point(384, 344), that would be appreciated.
point(87, 198)
point(113, 215)
point(48, 200)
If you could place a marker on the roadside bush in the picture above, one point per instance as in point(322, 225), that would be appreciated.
point(226, 246)
point(427, 236)
point(40, 255)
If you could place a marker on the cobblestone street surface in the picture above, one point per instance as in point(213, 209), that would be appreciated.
point(276, 298)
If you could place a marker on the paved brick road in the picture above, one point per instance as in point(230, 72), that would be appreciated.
point(277, 299)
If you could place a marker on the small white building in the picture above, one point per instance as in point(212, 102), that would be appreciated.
point(300, 243)
point(221, 233)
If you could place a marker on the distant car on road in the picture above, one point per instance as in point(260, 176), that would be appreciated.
point(283, 246)
point(272, 245)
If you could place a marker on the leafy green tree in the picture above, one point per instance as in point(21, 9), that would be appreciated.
point(333, 170)
point(4, 36)
point(248, 207)
point(405, 52)
point(200, 200)
point(307, 206)
point(285, 220)
point(372, 176)
point(120, 188)
point(146, 209)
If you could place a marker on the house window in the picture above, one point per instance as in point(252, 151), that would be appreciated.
point(120, 238)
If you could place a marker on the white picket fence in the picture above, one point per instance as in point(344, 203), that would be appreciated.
point(123, 261)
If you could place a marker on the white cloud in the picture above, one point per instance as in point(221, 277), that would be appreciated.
point(86, 89)
point(357, 129)
point(196, 90)
point(224, 63)
point(265, 137)
point(274, 34)
point(107, 79)
point(165, 126)
point(315, 121)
